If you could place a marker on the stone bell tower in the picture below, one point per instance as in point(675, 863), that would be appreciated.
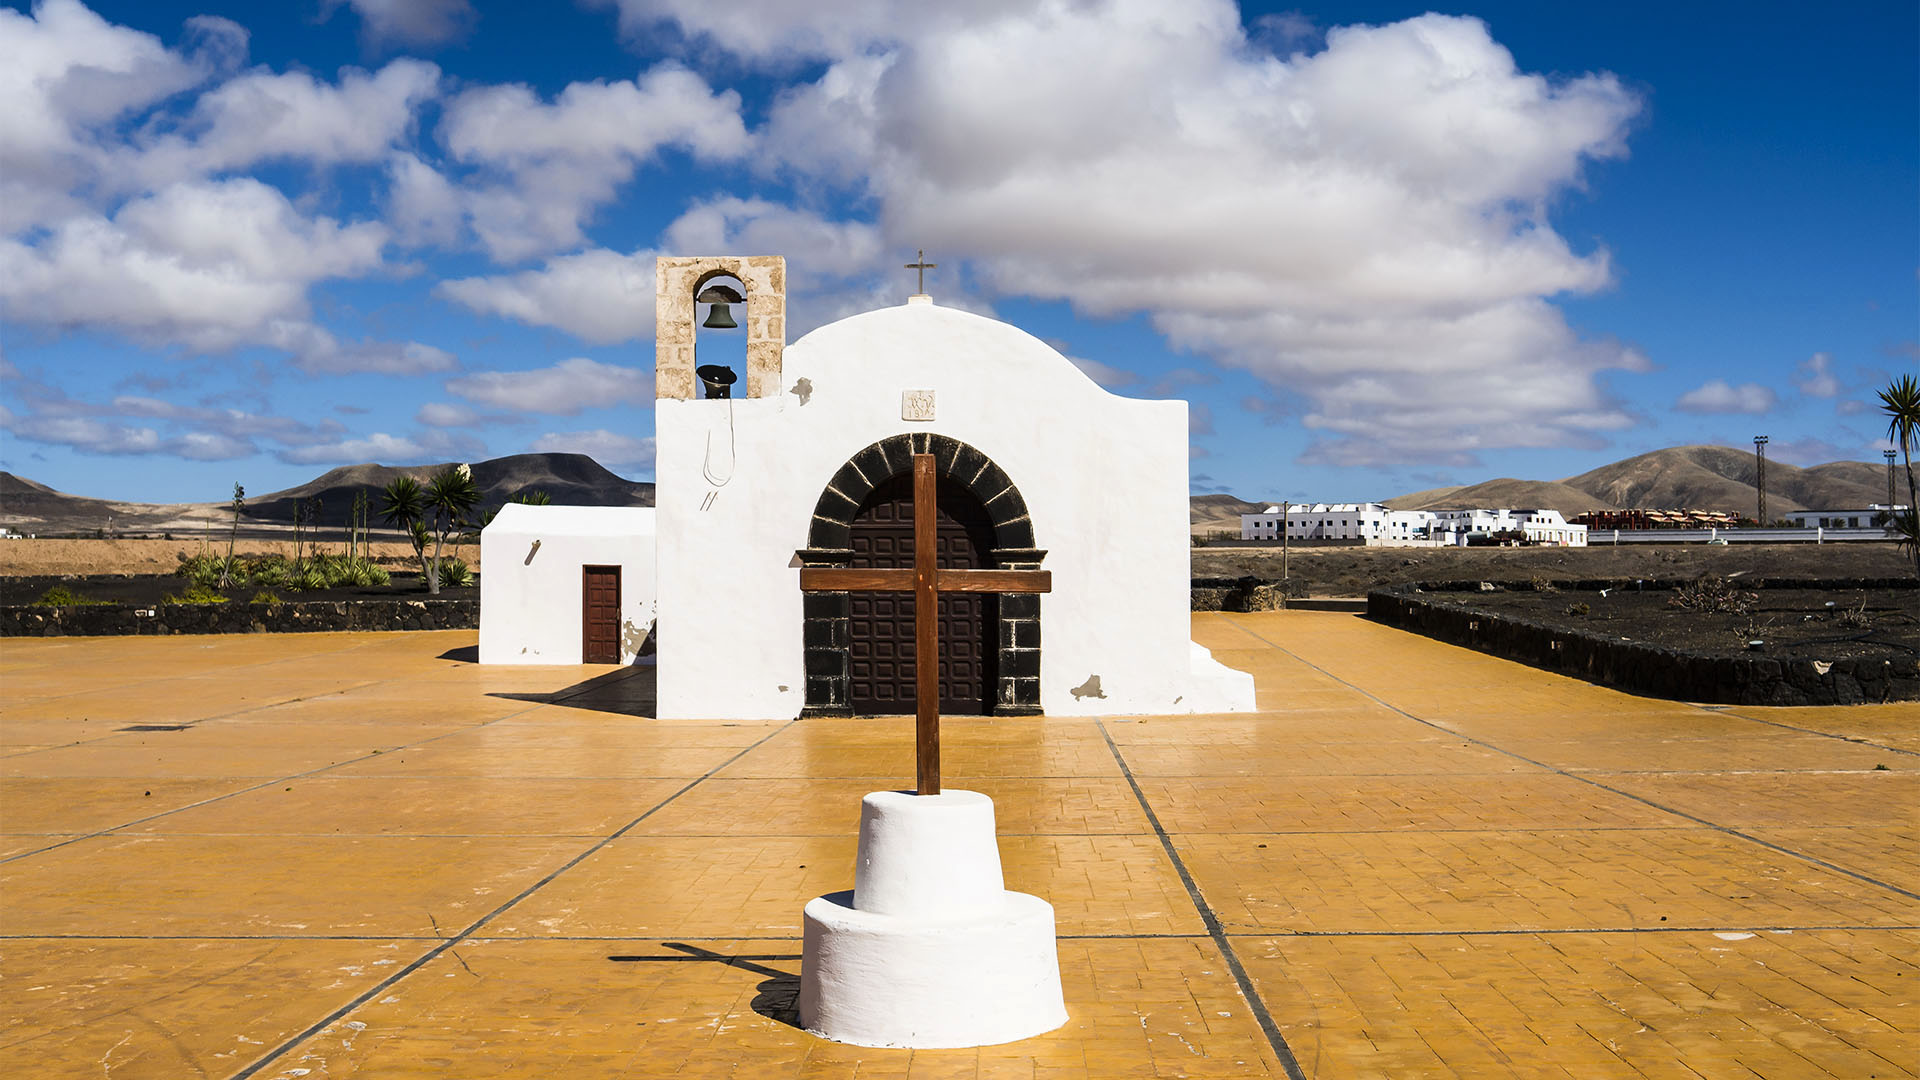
point(678, 279)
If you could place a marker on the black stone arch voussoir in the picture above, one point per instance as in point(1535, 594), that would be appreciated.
point(954, 460)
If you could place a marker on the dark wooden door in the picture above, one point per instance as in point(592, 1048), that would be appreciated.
point(600, 614)
point(880, 649)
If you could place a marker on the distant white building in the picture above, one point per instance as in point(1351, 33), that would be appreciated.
point(1336, 521)
point(1375, 523)
point(1869, 517)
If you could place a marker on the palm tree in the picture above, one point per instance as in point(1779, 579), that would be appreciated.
point(1901, 402)
point(449, 496)
point(403, 505)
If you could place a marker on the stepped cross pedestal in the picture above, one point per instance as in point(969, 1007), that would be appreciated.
point(929, 949)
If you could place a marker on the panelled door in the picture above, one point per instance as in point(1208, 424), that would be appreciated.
point(600, 614)
point(880, 647)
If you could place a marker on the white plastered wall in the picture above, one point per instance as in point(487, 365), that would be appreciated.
point(1104, 479)
point(530, 597)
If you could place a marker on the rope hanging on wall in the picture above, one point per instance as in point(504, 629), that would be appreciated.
point(706, 463)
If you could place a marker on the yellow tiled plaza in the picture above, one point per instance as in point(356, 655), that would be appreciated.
point(365, 855)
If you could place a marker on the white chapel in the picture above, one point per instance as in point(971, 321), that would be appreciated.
point(805, 462)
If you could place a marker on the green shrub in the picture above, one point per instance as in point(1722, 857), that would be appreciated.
point(455, 574)
point(196, 594)
point(272, 571)
point(265, 596)
point(202, 569)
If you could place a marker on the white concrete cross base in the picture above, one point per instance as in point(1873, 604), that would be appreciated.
point(929, 950)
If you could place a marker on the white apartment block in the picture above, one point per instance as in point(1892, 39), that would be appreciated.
point(1375, 523)
point(1843, 519)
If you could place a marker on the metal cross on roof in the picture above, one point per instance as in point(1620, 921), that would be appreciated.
point(922, 265)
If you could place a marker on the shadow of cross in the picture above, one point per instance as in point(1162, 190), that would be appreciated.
point(926, 582)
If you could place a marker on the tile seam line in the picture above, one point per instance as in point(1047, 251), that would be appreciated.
point(303, 775)
point(447, 944)
point(351, 647)
point(1727, 711)
point(1561, 931)
point(1211, 921)
point(1714, 825)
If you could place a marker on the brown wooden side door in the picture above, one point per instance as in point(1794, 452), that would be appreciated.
point(600, 614)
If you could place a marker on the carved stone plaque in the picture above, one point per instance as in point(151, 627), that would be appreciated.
point(916, 404)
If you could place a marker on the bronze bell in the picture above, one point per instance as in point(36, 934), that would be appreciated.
point(718, 317)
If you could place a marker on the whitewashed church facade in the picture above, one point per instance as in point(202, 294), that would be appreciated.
point(1039, 469)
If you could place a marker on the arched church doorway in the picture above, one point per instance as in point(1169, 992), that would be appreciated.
point(990, 643)
point(880, 632)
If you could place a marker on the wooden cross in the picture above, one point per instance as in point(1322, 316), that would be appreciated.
point(926, 582)
point(921, 264)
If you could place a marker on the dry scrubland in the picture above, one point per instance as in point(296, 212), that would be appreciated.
point(1351, 571)
point(1343, 571)
point(34, 558)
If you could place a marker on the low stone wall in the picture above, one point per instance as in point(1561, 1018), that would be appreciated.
point(96, 620)
point(1648, 669)
point(1242, 594)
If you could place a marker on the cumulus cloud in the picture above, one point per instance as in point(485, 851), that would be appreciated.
point(599, 296)
point(443, 414)
point(263, 116)
point(386, 23)
point(563, 389)
point(1814, 376)
point(1108, 376)
point(138, 424)
point(1362, 224)
point(554, 163)
point(1720, 396)
point(378, 447)
point(609, 448)
point(119, 214)
point(206, 264)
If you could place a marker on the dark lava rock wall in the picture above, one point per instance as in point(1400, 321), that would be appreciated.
point(1648, 669)
point(96, 620)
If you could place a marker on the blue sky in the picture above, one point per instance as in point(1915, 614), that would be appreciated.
point(1379, 248)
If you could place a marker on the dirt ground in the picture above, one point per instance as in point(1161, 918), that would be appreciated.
point(1351, 571)
point(42, 558)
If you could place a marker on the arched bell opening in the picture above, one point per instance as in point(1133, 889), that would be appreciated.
point(720, 337)
point(858, 645)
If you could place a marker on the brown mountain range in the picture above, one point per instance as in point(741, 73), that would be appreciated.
point(1677, 478)
point(572, 479)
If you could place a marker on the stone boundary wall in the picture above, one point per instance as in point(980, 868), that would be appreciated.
point(99, 620)
point(1650, 669)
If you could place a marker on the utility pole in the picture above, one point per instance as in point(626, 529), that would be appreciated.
point(1889, 454)
point(1760, 476)
point(1286, 519)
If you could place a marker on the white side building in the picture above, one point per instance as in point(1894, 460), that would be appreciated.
point(566, 584)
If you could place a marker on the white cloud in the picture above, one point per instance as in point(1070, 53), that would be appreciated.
point(379, 447)
point(262, 116)
point(1106, 375)
point(411, 22)
point(559, 162)
point(599, 296)
point(65, 74)
point(210, 265)
point(1365, 225)
point(564, 389)
point(1815, 378)
point(86, 434)
point(609, 448)
point(1720, 396)
point(445, 414)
